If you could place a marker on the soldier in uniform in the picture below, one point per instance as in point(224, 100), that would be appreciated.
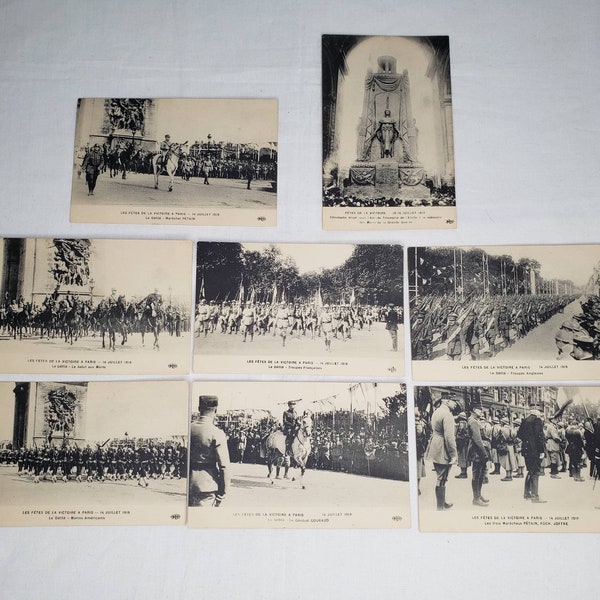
point(442, 446)
point(531, 434)
point(203, 317)
point(553, 448)
point(496, 428)
point(248, 321)
point(165, 147)
point(207, 167)
point(462, 445)
point(92, 164)
point(583, 346)
point(422, 433)
point(477, 455)
point(209, 457)
point(326, 326)
point(391, 324)
point(564, 344)
point(575, 449)
point(290, 425)
point(282, 322)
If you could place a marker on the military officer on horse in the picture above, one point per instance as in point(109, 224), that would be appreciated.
point(290, 425)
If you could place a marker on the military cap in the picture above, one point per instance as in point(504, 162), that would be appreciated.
point(564, 335)
point(582, 338)
point(208, 402)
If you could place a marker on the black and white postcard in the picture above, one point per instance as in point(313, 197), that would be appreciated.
point(388, 149)
point(501, 313)
point(175, 161)
point(93, 453)
point(299, 455)
point(102, 306)
point(508, 458)
point(306, 309)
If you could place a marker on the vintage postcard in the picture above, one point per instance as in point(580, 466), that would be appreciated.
point(508, 458)
point(102, 306)
point(499, 313)
point(305, 309)
point(299, 455)
point(93, 453)
point(388, 149)
point(170, 161)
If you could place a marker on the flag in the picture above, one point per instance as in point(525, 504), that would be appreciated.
point(240, 294)
point(274, 296)
point(352, 298)
point(319, 298)
point(566, 396)
point(202, 293)
point(252, 294)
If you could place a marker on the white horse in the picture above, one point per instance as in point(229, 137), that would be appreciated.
point(274, 450)
point(168, 166)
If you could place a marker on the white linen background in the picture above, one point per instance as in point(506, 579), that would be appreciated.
point(526, 122)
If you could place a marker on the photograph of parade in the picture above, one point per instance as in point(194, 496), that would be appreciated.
point(175, 161)
point(335, 454)
point(295, 307)
point(101, 305)
point(505, 304)
point(93, 453)
point(387, 123)
point(508, 457)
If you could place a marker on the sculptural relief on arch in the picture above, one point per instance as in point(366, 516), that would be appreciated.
point(388, 158)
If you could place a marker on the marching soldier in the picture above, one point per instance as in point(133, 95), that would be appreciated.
point(248, 321)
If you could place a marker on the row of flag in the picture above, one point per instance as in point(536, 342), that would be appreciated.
point(277, 296)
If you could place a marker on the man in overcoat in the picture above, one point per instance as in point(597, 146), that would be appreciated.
point(442, 446)
point(531, 433)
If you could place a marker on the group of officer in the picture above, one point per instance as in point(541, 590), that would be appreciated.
point(120, 460)
point(288, 319)
point(193, 165)
point(480, 328)
point(523, 447)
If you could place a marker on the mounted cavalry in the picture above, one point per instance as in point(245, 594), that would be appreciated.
point(289, 449)
point(167, 161)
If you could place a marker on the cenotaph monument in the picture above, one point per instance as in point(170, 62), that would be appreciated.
point(387, 146)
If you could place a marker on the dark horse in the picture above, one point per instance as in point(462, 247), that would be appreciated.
point(151, 321)
point(119, 160)
point(274, 450)
point(115, 322)
point(73, 322)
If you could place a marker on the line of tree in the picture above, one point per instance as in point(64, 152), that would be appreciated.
point(372, 272)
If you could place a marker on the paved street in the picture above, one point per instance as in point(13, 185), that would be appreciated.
point(363, 343)
point(539, 343)
point(563, 496)
point(89, 346)
point(86, 355)
point(251, 488)
point(138, 191)
point(21, 491)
